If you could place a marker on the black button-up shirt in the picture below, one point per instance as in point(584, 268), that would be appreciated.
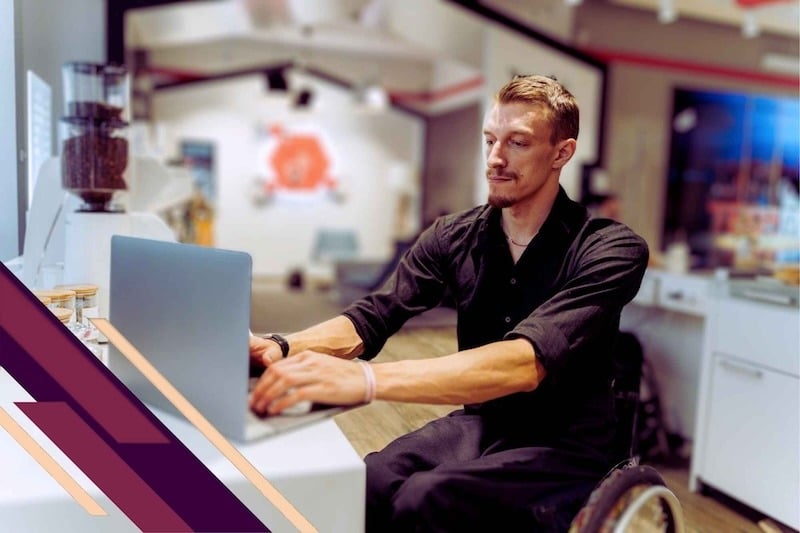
point(565, 295)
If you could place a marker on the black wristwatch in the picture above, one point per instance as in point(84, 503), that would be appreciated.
point(280, 340)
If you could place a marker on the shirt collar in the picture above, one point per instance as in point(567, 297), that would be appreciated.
point(564, 219)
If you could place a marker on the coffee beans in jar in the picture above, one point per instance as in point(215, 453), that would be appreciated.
point(93, 162)
point(101, 112)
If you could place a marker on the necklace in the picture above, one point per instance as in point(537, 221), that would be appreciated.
point(512, 241)
point(515, 243)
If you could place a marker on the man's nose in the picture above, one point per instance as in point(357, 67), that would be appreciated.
point(495, 158)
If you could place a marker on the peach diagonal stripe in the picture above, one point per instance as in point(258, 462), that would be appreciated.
point(50, 465)
point(204, 426)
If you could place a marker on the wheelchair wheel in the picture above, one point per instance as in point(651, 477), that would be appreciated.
point(630, 499)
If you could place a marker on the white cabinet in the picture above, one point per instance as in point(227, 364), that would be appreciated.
point(752, 431)
point(668, 317)
point(748, 427)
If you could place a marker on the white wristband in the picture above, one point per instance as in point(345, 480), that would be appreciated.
point(369, 377)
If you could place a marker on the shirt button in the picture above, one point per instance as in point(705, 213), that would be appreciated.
point(508, 319)
point(513, 281)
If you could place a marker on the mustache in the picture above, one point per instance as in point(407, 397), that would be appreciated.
point(491, 174)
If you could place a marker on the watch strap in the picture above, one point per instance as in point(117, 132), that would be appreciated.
point(280, 341)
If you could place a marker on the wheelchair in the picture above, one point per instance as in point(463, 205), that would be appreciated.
point(631, 497)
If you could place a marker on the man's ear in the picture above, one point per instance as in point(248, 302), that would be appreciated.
point(566, 149)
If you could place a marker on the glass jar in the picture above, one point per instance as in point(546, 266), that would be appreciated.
point(96, 90)
point(85, 301)
point(64, 315)
point(59, 299)
point(87, 335)
point(93, 162)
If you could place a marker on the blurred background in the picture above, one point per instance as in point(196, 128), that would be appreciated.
point(689, 115)
point(321, 136)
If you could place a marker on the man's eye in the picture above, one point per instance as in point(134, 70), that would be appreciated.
point(519, 144)
point(488, 142)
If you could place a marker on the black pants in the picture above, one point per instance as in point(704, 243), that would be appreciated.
point(452, 475)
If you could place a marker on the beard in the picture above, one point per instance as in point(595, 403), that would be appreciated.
point(498, 200)
point(501, 202)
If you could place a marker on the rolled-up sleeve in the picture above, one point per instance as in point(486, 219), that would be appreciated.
point(418, 284)
point(604, 274)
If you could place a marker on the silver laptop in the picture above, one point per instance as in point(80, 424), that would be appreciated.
point(186, 308)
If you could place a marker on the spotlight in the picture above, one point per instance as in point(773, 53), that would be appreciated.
point(276, 80)
point(303, 97)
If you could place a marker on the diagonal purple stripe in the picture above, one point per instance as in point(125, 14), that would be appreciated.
point(102, 464)
point(69, 363)
point(212, 508)
point(170, 470)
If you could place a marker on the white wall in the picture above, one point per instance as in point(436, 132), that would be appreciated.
point(9, 238)
point(367, 148)
point(50, 33)
point(54, 33)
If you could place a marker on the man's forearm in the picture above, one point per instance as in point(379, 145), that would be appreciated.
point(336, 336)
point(470, 376)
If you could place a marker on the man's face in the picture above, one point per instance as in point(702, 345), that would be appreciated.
point(520, 159)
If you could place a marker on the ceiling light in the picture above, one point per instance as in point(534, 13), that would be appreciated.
point(573, 2)
point(375, 98)
point(667, 14)
point(750, 25)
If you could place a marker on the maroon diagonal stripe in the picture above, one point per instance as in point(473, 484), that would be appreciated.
point(102, 464)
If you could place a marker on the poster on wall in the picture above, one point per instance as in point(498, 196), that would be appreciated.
point(198, 157)
point(195, 223)
point(296, 164)
point(732, 186)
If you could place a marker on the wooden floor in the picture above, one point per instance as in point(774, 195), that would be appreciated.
point(371, 427)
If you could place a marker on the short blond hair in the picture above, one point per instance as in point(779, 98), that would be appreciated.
point(561, 106)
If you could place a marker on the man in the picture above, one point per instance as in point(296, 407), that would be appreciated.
point(539, 287)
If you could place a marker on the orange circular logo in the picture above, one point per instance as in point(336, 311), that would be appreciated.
point(300, 164)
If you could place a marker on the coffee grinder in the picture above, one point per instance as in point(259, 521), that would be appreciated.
point(94, 168)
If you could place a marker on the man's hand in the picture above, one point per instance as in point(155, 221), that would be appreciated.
point(263, 352)
point(307, 376)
